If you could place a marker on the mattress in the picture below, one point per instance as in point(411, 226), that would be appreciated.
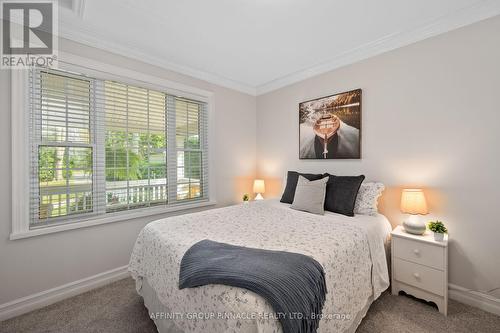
point(350, 249)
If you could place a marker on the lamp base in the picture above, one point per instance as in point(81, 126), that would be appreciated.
point(414, 226)
point(259, 197)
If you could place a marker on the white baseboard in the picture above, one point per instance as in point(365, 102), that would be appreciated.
point(32, 302)
point(474, 298)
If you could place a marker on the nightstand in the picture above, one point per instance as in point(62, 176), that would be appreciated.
point(420, 267)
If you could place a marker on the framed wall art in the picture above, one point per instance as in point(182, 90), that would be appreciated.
point(330, 127)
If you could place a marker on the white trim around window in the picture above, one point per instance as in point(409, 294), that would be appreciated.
point(20, 143)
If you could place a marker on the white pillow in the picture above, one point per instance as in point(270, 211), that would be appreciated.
point(367, 199)
point(310, 195)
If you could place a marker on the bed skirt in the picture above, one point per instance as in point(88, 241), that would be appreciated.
point(165, 325)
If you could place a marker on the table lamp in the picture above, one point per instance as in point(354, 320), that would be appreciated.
point(259, 187)
point(413, 203)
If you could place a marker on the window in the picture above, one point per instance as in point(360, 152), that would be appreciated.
point(101, 147)
point(135, 147)
point(62, 156)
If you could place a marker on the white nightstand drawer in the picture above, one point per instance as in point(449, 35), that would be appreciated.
point(419, 276)
point(419, 252)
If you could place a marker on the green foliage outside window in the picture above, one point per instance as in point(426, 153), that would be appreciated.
point(192, 158)
point(140, 148)
point(116, 159)
point(47, 164)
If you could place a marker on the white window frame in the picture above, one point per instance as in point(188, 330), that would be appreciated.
point(20, 142)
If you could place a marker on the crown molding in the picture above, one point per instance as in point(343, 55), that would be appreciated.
point(79, 7)
point(481, 10)
point(76, 9)
point(92, 39)
point(460, 18)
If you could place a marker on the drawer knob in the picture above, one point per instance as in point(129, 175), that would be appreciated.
point(417, 252)
point(416, 275)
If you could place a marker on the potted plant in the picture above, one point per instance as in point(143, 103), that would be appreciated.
point(246, 198)
point(438, 228)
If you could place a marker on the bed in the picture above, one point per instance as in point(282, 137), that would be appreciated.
point(350, 249)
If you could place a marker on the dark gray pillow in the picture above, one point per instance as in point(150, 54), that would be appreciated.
point(341, 193)
point(291, 184)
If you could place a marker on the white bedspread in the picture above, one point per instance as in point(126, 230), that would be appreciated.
point(350, 249)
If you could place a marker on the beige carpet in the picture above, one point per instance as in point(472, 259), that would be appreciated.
point(118, 308)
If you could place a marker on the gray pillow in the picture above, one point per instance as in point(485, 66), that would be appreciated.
point(310, 195)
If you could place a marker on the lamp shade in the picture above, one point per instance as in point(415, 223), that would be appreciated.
point(259, 186)
point(413, 202)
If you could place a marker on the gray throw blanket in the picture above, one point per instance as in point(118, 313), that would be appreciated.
point(294, 284)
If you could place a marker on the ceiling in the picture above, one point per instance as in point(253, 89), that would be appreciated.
point(256, 46)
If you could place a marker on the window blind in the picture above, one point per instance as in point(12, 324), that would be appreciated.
point(134, 131)
point(188, 166)
point(101, 146)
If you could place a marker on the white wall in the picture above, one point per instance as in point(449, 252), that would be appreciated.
point(431, 118)
point(35, 264)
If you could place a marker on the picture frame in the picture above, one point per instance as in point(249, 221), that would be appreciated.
point(330, 127)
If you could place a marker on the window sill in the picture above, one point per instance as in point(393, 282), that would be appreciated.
point(116, 217)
